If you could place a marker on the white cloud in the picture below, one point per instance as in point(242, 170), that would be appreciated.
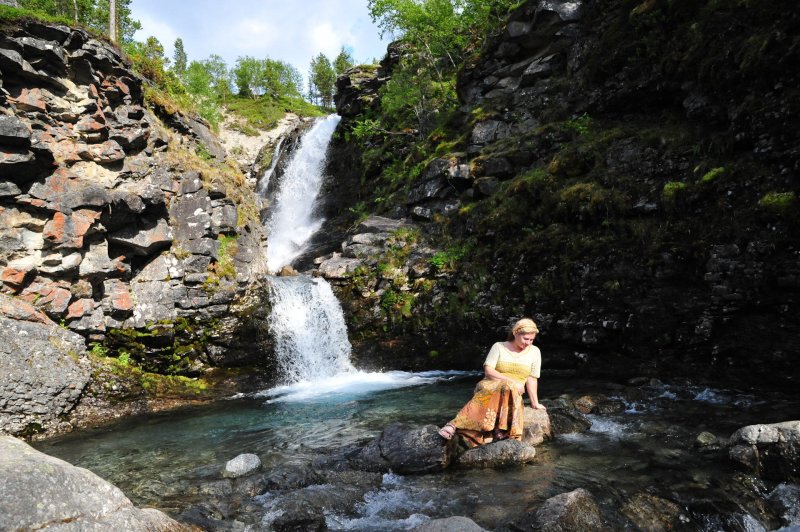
point(288, 30)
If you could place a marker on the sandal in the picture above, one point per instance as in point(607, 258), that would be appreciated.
point(448, 431)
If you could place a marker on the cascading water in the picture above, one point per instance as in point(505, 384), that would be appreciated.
point(307, 323)
point(293, 220)
point(308, 326)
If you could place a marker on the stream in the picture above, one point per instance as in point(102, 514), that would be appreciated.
point(163, 460)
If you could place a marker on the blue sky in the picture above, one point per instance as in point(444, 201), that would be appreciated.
point(289, 30)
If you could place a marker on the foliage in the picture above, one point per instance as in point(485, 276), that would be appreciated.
point(342, 62)
point(447, 260)
point(321, 81)
point(93, 14)
point(580, 124)
point(265, 77)
point(179, 58)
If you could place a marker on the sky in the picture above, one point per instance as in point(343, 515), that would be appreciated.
point(289, 30)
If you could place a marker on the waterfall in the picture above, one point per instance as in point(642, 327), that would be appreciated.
point(293, 221)
point(309, 330)
point(307, 323)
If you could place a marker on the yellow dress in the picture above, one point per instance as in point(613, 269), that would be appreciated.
point(496, 405)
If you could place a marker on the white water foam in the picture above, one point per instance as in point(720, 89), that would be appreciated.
point(347, 385)
point(293, 220)
point(309, 330)
point(392, 507)
point(609, 428)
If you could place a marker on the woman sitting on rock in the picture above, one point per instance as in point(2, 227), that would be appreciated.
point(495, 410)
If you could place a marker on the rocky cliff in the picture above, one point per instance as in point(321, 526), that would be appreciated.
point(124, 229)
point(625, 172)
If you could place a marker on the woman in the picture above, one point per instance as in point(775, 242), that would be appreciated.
point(495, 410)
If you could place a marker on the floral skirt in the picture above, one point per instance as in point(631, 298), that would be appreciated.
point(495, 406)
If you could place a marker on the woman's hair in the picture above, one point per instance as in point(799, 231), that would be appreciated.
point(523, 326)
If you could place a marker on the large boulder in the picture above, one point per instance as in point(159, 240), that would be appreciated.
point(574, 510)
point(498, 454)
point(769, 451)
point(40, 492)
point(41, 378)
point(566, 419)
point(536, 425)
point(649, 512)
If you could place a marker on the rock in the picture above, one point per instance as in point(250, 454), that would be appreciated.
point(408, 450)
point(574, 510)
point(38, 491)
point(769, 451)
point(785, 500)
point(338, 267)
point(503, 453)
point(14, 133)
point(649, 512)
point(379, 224)
point(707, 441)
point(567, 419)
point(450, 524)
point(145, 241)
point(242, 465)
point(536, 426)
point(40, 377)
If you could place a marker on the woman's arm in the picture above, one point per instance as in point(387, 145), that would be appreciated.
point(532, 384)
point(495, 375)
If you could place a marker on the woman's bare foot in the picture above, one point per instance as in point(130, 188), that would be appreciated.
point(448, 431)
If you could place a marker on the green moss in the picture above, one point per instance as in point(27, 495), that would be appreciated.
point(16, 14)
point(780, 203)
point(673, 189)
point(712, 174)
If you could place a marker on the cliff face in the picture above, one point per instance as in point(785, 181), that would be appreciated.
point(625, 172)
point(123, 226)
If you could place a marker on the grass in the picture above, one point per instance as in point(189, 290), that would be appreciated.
point(263, 113)
point(226, 175)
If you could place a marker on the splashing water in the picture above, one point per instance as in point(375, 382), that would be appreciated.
point(263, 183)
point(293, 221)
point(308, 326)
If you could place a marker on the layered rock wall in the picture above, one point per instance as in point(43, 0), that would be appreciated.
point(114, 225)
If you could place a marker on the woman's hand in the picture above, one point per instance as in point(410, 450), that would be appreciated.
point(520, 387)
point(539, 406)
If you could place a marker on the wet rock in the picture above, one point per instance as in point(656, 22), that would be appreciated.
point(39, 490)
point(408, 450)
point(649, 512)
point(785, 500)
point(242, 465)
point(575, 510)
point(566, 419)
point(707, 441)
point(536, 425)
point(503, 453)
point(450, 524)
point(769, 451)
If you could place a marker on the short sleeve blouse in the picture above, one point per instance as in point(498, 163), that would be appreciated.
point(518, 366)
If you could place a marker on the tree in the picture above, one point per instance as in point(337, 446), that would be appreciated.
point(280, 79)
point(179, 58)
point(112, 20)
point(342, 62)
point(220, 76)
point(96, 14)
point(248, 74)
point(321, 81)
